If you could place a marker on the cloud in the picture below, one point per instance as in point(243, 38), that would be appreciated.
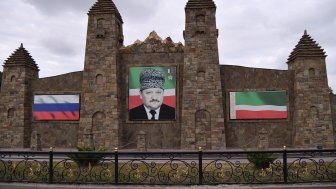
point(269, 27)
point(59, 7)
point(138, 10)
point(143, 16)
point(52, 39)
point(56, 46)
point(253, 33)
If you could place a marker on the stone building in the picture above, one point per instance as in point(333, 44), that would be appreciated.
point(202, 92)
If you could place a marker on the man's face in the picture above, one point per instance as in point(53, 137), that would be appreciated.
point(152, 98)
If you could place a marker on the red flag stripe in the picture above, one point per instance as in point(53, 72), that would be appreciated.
point(135, 101)
point(56, 116)
point(268, 114)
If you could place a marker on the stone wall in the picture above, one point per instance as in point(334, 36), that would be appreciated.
point(333, 112)
point(61, 134)
point(100, 110)
point(313, 118)
point(66, 83)
point(0, 80)
point(159, 134)
point(202, 92)
point(244, 133)
point(57, 134)
point(15, 106)
point(202, 123)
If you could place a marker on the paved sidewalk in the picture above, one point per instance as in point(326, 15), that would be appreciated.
point(272, 186)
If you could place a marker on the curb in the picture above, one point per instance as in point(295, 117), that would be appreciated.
point(62, 186)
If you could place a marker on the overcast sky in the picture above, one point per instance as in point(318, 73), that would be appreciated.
point(252, 33)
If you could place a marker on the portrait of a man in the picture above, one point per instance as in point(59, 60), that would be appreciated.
point(152, 93)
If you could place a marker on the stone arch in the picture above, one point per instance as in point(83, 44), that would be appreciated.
point(203, 129)
point(98, 119)
point(200, 24)
point(11, 113)
point(313, 113)
point(100, 23)
point(200, 73)
point(12, 78)
point(97, 128)
point(99, 79)
point(200, 20)
point(312, 72)
point(100, 32)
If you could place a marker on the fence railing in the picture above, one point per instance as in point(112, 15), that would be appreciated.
point(170, 168)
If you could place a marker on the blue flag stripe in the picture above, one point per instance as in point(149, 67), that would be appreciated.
point(67, 107)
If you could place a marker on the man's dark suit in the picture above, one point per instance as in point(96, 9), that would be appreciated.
point(139, 113)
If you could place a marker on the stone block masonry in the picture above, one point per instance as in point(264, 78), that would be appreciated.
point(202, 92)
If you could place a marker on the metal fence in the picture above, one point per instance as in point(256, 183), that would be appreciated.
point(170, 168)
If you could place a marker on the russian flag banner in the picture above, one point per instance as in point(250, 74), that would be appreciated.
point(56, 108)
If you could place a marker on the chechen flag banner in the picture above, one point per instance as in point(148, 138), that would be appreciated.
point(169, 85)
point(258, 105)
point(56, 107)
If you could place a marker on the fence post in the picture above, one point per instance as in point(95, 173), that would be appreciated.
point(51, 166)
point(285, 169)
point(200, 166)
point(116, 167)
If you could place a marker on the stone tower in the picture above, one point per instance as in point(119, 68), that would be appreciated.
point(202, 104)
point(99, 121)
point(312, 119)
point(15, 99)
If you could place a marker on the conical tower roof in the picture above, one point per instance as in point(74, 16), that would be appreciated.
point(104, 7)
point(197, 4)
point(21, 57)
point(306, 47)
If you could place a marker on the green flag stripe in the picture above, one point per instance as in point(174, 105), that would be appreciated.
point(277, 98)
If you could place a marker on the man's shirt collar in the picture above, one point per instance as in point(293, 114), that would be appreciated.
point(149, 115)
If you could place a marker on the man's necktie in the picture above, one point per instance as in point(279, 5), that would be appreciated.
point(153, 112)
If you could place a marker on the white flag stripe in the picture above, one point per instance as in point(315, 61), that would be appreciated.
point(232, 105)
point(260, 108)
point(167, 92)
point(51, 99)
